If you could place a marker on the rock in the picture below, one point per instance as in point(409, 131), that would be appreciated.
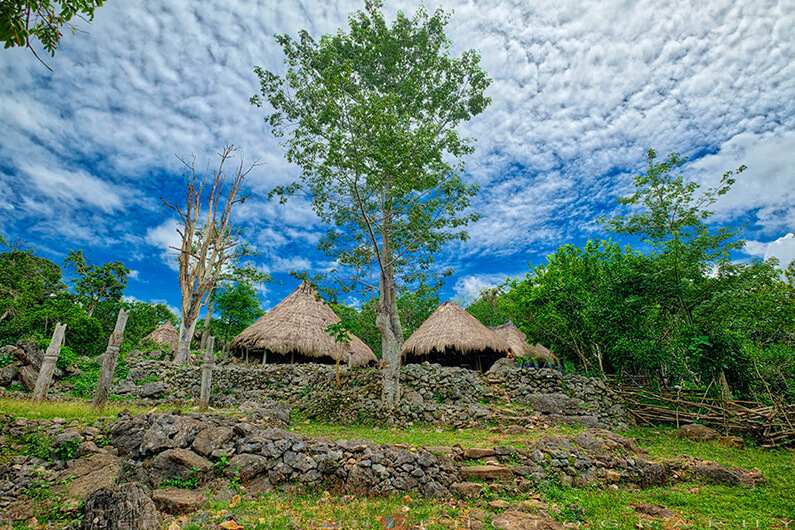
point(169, 431)
point(178, 501)
point(177, 463)
point(211, 439)
point(152, 390)
point(717, 474)
point(502, 367)
point(69, 436)
point(27, 375)
point(499, 504)
point(486, 472)
point(124, 507)
point(467, 489)
point(86, 475)
point(554, 403)
point(476, 453)
point(248, 466)
point(8, 373)
point(654, 510)
point(697, 433)
point(516, 520)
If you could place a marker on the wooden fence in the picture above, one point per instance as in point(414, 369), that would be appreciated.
point(771, 425)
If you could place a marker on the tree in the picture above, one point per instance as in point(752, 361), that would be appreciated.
point(370, 116)
point(23, 20)
point(207, 238)
point(238, 307)
point(96, 283)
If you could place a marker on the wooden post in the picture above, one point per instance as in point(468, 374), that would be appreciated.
point(264, 356)
point(207, 374)
point(48, 363)
point(109, 359)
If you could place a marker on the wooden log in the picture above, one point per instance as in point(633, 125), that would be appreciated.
point(44, 378)
point(207, 374)
point(109, 359)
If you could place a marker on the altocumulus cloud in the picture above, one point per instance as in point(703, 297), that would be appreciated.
point(580, 89)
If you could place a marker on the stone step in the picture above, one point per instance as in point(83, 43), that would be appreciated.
point(486, 472)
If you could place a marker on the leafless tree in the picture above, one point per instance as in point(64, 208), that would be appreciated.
point(208, 239)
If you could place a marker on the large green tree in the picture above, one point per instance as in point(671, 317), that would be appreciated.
point(370, 115)
point(44, 20)
point(238, 307)
point(96, 283)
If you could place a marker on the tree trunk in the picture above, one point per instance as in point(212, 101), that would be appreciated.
point(388, 322)
point(185, 336)
point(48, 363)
point(109, 359)
point(208, 319)
point(207, 374)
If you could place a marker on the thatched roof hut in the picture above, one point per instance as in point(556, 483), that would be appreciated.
point(517, 341)
point(295, 331)
point(165, 335)
point(453, 337)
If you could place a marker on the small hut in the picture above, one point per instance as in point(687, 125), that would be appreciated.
point(453, 337)
point(517, 341)
point(166, 335)
point(295, 332)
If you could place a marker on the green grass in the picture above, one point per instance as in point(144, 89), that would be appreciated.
point(69, 409)
point(424, 435)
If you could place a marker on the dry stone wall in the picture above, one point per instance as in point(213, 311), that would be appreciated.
point(431, 393)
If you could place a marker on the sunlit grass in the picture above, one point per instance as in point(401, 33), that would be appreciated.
point(69, 409)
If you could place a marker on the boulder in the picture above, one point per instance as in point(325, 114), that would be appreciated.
point(28, 375)
point(467, 489)
point(124, 507)
point(476, 453)
point(177, 463)
point(90, 473)
point(152, 390)
point(178, 501)
point(8, 373)
point(169, 431)
point(248, 466)
point(212, 439)
point(698, 433)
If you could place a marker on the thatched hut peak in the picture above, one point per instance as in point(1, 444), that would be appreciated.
point(165, 335)
point(453, 337)
point(520, 347)
point(295, 331)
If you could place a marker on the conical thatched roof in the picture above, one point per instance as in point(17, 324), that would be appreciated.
point(165, 335)
point(298, 325)
point(519, 345)
point(451, 328)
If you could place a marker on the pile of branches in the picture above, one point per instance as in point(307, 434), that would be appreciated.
point(771, 425)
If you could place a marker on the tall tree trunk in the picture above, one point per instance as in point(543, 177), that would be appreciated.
point(208, 318)
point(186, 330)
point(388, 323)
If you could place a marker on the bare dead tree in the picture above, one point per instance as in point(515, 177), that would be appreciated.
point(208, 239)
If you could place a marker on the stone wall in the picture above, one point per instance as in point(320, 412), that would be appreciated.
point(431, 393)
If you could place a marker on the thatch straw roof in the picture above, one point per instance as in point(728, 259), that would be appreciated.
point(165, 335)
point(451, 328)
point(520, 347)
point(298, 325)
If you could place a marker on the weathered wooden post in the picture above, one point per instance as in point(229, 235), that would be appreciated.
point(207, 374)
point(109, 360)
point(48, 363)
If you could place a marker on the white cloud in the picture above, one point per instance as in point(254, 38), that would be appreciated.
point(467, 288)
point(782, 249)
point(134, 274)
point(290, 264)
point(167, 240)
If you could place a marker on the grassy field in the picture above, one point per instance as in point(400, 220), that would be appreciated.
point(771, 505)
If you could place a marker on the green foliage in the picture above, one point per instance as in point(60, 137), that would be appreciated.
point(24, 20)
point(238, 307)
point(38, 445)
point(94, 283)
point(190, 482)
point(679, 314)
point(413, 307)
point(67, 450)
point(340, 332)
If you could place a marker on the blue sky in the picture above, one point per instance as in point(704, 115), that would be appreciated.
point(580, 90)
